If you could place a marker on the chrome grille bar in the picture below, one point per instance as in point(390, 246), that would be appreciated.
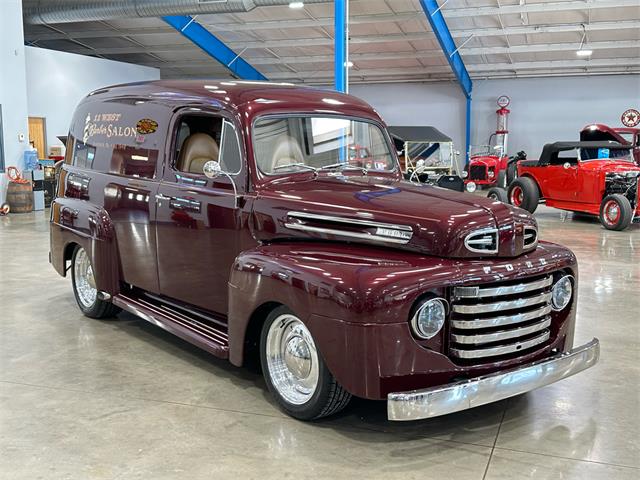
point(503, 349)
point(478, 292)
point(502, 320)
point(502, 335)
point(504, 305)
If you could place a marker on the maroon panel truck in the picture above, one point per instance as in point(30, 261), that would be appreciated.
point(232, 215)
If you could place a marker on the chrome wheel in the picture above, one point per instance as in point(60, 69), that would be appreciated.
point(292, 359)
point(612, 212)
point(85, 283)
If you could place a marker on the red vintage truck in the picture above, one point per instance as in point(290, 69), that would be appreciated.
point(231, 215)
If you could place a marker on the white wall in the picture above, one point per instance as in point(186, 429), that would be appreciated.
point(441, 105)
point(13, 94)
point(57, 81)
point(551, 109)
point(543, 110)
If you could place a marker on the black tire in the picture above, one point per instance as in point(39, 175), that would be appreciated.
point(512, 172)
point(99, 308)
point(523, 192)
point(502, 180)
point(499, 194)
point(624, 212)
point(329, 396)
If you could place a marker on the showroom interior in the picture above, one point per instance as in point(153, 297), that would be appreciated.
point(319, 239)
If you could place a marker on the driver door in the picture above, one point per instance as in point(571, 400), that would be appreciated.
point(199, 229)
point(563, 177)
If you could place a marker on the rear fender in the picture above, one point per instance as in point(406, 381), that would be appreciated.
point(78, 222)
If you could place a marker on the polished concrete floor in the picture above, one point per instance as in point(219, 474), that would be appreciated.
point(87, 399)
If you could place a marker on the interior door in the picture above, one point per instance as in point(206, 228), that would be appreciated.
point(37, 135)
point(199, 229)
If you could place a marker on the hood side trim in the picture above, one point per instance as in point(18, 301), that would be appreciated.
point(384, 232)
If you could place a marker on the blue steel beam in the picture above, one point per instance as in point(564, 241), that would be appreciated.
point(340, 49)
point(212, 45)
point(441, 30)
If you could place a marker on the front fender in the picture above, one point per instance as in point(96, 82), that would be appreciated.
point(356, 301)
point(80, 222)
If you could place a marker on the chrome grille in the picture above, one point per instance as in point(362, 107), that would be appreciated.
point(496, 320)
point(477, 172)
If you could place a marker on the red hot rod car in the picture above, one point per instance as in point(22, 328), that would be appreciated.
point(228, 213)
point(598, 178)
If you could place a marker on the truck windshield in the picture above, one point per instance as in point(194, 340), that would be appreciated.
point(587, 154)
point(290, 144)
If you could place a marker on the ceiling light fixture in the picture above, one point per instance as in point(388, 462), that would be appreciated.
point(296, 5)
point(582, 51)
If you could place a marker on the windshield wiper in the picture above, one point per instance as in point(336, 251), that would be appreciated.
point(288, 165)
point(344, 166)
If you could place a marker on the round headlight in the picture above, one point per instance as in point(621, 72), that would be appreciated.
point(465, 174)
point(471, 187)
point(561, 293)
point(429, 318)
point(491, 174)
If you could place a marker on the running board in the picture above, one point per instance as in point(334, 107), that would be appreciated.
point(193, 330)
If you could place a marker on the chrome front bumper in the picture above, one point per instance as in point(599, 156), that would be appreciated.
point(436, 401)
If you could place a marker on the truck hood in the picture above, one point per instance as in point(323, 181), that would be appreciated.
point(393, 213)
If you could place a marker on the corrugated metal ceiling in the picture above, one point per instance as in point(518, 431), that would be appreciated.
point(390, 40)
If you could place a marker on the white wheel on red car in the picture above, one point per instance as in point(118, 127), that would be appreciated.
point(616, 212)
point(294, 370)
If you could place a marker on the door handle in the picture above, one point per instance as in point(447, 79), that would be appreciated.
point(161, 196)
point(186, 204)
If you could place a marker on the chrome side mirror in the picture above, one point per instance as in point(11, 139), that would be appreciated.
point(212, 169)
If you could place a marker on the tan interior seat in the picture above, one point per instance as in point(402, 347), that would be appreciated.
point(287, 150)
point(197, 149)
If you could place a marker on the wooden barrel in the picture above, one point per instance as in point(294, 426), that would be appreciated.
point(20, 197)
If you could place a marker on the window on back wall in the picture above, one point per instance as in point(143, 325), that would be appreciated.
point(1, 143)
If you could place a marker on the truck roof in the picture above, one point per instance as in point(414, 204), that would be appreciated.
point(252, 97)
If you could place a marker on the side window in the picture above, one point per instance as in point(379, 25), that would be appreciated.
point(564, 156)
point(230, 155)
point(202, 138)
point(197, 142)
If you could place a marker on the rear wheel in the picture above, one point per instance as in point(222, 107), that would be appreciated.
point(523, 192)
point(294, 370)
point(84, 287)
point(512, 172)
point(502, 179)
point(498, 194)
point(616, 212)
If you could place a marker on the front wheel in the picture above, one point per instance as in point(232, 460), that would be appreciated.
point(523, 193)
point(616, 212)
point(294, 370)
point(84, 287)
point(498, 194)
